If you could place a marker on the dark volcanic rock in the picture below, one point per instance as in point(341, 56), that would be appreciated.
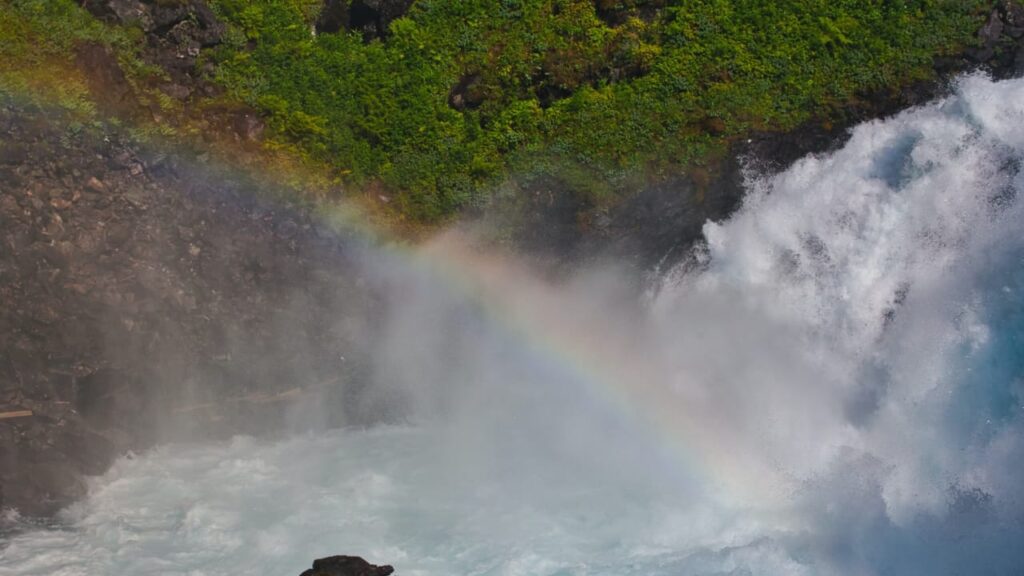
point(371, 17)
point(988, 36)
point(654, 227)
point(333, 17)
point(467, 93)
point(346, 566)
point(616, 12)
point(118, 11)
point(176, 31)
point(1013, 19)
point(53, 486)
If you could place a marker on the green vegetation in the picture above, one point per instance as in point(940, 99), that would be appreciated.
point(462, 93)
point(553, 88)
point(35, 50)
point(37, 54)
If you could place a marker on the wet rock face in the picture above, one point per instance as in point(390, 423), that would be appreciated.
point(346, 566)
point(147, 297)
point(654, 227)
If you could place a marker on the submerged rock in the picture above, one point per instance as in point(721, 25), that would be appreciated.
point(346, 566)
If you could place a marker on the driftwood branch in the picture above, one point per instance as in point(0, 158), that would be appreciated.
point(257, 398)
point(15, 414)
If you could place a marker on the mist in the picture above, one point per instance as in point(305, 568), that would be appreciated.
point(829, 384)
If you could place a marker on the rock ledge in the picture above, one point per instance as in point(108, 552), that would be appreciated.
point(346, 566)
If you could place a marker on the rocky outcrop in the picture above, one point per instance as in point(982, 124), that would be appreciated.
point(176, 31)
point(333, 17)
point(468, 93)
point(190, 21)
point(616, 12)
point(346, 566)
point(148, 296)
point(370, 17)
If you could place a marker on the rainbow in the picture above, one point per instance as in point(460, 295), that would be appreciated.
point(595, 355)
point(699, 446)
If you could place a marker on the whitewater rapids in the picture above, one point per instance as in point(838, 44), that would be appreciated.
point(832, 384)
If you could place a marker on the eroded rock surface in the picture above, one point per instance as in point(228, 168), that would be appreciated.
point(148, 296)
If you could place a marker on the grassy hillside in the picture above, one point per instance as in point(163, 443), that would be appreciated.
point(36, 42)
point(461, 93)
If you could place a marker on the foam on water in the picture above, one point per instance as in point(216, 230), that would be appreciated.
point(832, 386)
point(256, 508)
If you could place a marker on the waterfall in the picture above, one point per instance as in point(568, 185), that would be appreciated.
point(832, 384)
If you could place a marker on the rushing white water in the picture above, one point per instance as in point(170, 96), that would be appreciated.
point(833, 386)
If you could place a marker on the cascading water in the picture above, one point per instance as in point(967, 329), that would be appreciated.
point(833, 385)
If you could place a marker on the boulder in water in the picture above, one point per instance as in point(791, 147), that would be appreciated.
point(346, 566)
